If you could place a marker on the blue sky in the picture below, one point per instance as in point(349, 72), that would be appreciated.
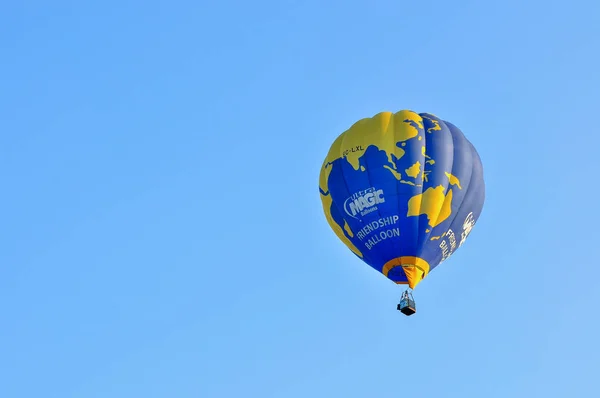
point(162, 233)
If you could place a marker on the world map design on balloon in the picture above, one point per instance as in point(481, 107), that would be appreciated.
point(402, 191)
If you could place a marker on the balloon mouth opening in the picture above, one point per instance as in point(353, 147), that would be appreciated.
point(406, 270)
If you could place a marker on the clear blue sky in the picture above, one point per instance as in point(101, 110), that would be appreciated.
point(161, 229)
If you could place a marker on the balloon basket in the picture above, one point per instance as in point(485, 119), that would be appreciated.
point(407, 304)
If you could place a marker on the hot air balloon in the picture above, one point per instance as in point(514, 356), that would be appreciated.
point(402, 191)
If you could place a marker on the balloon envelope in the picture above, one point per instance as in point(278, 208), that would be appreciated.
point(402, 191)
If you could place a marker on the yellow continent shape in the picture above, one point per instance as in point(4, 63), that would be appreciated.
point(433, 203)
